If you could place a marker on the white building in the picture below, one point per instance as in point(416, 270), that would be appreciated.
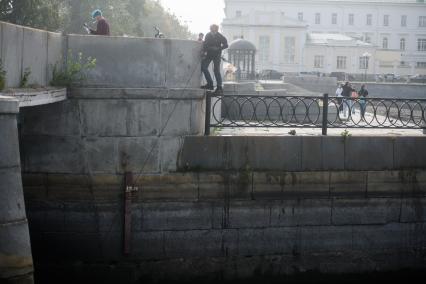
point(394, 25)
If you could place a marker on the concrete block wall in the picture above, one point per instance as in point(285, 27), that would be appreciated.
point(16, 263)
point(237, 206)
point(111, 131)
point(23, 47)
point(324, 85)
point(405, 91)
point(231, 224)
point(121, 61)
point(304, 153)
point(140, 62)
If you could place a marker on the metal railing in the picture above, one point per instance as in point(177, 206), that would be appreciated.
point(313, 112)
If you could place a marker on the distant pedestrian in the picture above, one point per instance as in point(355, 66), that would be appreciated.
point(102, 26)
point(347, 101)
point(339, 92)
point(214, 43)
point(200, 37)
point(363, 93)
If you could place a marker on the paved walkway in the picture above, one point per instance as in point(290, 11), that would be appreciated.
point(313, 132)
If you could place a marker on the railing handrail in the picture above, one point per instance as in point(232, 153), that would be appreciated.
point(254, 110)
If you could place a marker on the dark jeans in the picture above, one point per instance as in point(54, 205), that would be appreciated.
point(216, 67)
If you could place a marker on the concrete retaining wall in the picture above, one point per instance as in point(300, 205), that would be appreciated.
point(239, 207)
point(121, 61)
point(409, 91)
point(111, 130)
point(229, 224)
point(303, 153)
point(140, 62)
point(23, 47)
point(16, 264)
point(324, 85)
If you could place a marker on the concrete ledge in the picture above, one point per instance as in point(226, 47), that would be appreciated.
point(28, 98)
point(136, 93)
point(8, 105)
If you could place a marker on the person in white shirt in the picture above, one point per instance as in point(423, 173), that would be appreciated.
point(339, 92)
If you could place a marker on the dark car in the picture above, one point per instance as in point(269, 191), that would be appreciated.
point(270, 75)
point(342, 76)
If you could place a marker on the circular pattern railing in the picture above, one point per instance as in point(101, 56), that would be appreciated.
point(308, 111)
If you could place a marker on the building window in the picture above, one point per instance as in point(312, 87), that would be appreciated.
point(421, 64)
point(363, 62)
point(403, 21)
point(238, 14)
point(289, 49)
point(317, 18)
point(402, 44)
point(334, 19)
point(386, 20)
point(421, 44)
point(385, 43)
point(264, 43)
point(351, 19)
point(319, 61)
point(422, 21)
point(300, 16)
point(367, 38)
point(341, 62)
point(369, 19)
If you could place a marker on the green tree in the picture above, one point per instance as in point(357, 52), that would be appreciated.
point(43, 14)
point(126, 17)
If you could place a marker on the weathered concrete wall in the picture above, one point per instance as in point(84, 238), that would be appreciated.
point(23, 47)
point(111, 131)
point(304, 153)
point(404, 91)
point(16, 265)
point(376, 90)
point(240, 205)
point(325, 85)
point(230, 224)
point(121, 61)
point(140, 62)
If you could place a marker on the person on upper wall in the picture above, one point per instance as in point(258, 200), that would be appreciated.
point(214, 43)
point(102, 26)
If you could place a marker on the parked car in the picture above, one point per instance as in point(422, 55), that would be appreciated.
point(391, 77)
point(418, 78)
point(342, 76)
point(270, 74)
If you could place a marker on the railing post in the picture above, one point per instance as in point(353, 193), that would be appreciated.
point(208, 113)
point(324, 114)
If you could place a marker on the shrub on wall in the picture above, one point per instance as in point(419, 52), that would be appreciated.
point(74, 71)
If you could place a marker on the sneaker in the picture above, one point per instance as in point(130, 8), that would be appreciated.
point(207, 87)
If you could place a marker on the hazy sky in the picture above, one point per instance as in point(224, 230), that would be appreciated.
point(199, 14)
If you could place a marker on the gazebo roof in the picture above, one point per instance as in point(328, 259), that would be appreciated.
point(241, 44)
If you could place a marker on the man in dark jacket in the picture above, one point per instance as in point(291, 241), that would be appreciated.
point(214, 43)
point(347, 101)
point(102, 27)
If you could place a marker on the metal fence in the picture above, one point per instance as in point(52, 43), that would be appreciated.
point(314, 112)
